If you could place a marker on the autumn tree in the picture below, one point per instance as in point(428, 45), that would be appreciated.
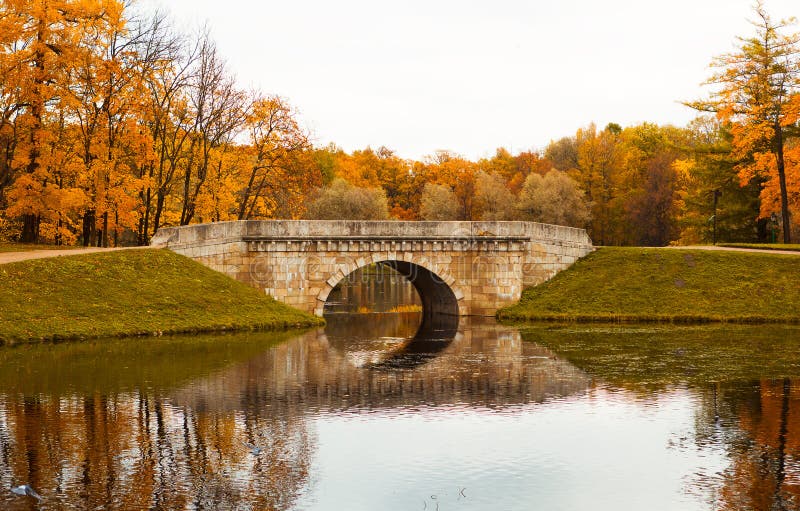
point(13, 73)
point(554, 198)
point(401, 184)
point(343, 201)
point(371, 168)
point(438, 202)
point(275, 140)
point(165, 114)
point(105, 91)
point(325, 161)
point(42, 41)
point(502, 164)
point(707, 169)
point(647, 185)
point(216, 108)
point(493, 199)
point(599, 159)
point(628, 179)
point(458, 174)
point(113, 124)
point(653, 205)
point(563, 153)
point(758, 87)
point(528, 162)
point(513, 169)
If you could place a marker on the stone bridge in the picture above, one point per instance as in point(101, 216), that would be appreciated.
point(458, 268)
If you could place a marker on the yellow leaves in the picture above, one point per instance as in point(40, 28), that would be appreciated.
point(360, 169)
point(684, 169)
point(70, 199)
point(29, 195)
point(792, 111)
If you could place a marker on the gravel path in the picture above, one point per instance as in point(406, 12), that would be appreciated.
point(734, 249)
point(13, 257)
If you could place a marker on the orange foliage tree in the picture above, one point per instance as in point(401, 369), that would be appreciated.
point(113, 125)
point(758, 95)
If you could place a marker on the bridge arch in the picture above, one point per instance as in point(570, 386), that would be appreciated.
point(437, 289)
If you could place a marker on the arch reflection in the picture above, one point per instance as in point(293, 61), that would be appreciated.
point(435, 334)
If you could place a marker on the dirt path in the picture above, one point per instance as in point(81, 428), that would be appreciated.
point(13, 257)
point(734, 249)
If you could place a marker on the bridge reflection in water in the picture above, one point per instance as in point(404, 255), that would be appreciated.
point(374, 361)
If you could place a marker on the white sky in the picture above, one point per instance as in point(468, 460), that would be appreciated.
point(471, 76)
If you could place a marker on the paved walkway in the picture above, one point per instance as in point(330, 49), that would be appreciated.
point(735, 249)
point(13, 257)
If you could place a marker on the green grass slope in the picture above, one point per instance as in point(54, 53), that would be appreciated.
point(130, 292)
point(681, 286)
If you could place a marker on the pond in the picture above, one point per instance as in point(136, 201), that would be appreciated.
point(375, 411)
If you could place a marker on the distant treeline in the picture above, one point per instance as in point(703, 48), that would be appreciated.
point(113, 124)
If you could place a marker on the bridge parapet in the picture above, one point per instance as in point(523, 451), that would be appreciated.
point(484, 265)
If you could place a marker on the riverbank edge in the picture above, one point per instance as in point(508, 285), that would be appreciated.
point(96, 296)
point(221, 329)
point(632, 319)
point(583, 272)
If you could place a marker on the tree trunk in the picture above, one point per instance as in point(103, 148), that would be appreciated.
point(246, 194)
point(144, 225)
point(89, 228)
point(186, 196)
point(30, 228)
point(159, 210)
point(104, 240)
point(787, 227)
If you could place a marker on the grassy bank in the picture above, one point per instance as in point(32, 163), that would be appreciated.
point(679, 286)
point(129, 292)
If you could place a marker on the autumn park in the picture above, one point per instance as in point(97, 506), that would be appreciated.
point(210, 298)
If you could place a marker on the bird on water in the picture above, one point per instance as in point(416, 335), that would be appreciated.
point(25, 489)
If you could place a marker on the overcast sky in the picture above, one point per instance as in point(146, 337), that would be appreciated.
point(471, 76)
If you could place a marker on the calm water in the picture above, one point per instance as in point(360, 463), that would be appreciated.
point(361, 415)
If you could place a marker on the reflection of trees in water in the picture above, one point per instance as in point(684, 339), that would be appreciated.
point(758, 424)
point(140, 451)
point(182, 445)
